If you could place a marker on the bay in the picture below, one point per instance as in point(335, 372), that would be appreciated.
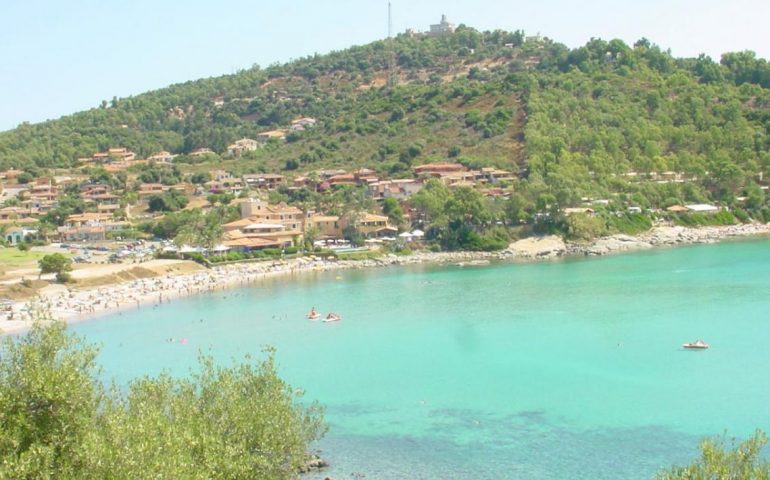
point(563, 369)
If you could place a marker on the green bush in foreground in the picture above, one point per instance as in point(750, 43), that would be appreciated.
point(57, 420)
point(718, 463)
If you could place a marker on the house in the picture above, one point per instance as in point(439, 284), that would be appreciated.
point(121, 154)
point(146, 190)
point(258, 211)
point(268, 181)
point(12, 213)
point(271, 135)
point(275, 233)
point(16, 235)
point(399, 189)
point(343, 179)
point(247, 244)
point(573, 210)
point(89, 227)
point(372, 226)
point(14, 190)
point(233, 186)
point(88, 218)
point(438, 169)
point(242, 146)
point(42, 191)
point(328, 226)
point(702, 208)
point(496, 193)
point(163, 158)
point(114, 155)
point(677, 209)
point(201, 152)
point(494, 175)
point(302, 123)
point(10, 175)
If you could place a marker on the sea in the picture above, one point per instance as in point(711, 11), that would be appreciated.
point(565, 369)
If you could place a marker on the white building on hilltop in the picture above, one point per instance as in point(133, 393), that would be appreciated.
point(442, 28)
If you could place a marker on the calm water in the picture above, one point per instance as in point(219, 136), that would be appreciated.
point(571, 369)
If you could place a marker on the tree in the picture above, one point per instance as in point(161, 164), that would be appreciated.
point(201, 229)
point(310, 236)
point(585, 227)
point(55, 263)
point(430, 201)
point(170, 201)
point(392, 209)
point(48, 402)
point(240, 422)
point(716, 462)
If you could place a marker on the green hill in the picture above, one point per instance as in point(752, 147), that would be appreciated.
point(588, 122)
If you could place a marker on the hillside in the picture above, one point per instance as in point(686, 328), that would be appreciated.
point(587, 122)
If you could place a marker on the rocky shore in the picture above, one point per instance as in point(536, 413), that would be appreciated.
point(74, 305)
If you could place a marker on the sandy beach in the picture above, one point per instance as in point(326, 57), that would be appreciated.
point(75, 304)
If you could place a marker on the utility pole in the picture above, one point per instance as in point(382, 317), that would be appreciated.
point(391, 51)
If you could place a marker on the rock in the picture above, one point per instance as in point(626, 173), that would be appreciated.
point(538, 247)
point(615, 243)
point(313, 463)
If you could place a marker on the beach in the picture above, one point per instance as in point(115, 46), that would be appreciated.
point(71, 304)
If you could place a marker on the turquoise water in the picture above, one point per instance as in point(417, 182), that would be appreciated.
point(570, 369)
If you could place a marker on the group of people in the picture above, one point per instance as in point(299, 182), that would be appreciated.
point(330, 317)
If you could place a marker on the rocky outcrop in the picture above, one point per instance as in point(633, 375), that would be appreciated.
point(538, 247)
point(314, 463)
point(664, 236)
point(611, 244)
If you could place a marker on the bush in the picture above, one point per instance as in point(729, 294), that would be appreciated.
point(166, 255)
point(195, 257)
point(63, 277)
point(700, 219)
point(765, 213)
point(60, 422)
point(585, 227)
point(742, 215)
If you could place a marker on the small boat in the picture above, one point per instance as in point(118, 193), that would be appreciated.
point(696, 345)
point(332, 317)
point(313, 315)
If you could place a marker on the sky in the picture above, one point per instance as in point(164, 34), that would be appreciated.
point(59, 57)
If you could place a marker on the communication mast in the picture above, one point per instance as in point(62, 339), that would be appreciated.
point(391, 51)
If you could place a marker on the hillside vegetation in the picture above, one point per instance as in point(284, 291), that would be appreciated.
point(585, 123)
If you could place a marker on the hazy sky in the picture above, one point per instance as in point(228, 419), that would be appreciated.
point(59, 57)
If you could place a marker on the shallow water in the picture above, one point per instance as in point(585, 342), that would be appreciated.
point(566, 369)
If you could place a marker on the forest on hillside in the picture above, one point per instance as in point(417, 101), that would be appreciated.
point(583, 123)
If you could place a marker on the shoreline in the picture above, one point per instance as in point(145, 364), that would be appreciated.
point(73, 306)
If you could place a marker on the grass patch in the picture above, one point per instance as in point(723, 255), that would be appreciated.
point(19, 291)
point(13, 258)
point(359, 255)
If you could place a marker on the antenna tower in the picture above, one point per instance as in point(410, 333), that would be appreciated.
point(391, 51)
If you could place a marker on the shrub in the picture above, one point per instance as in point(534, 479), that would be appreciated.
point(742, 215)
point(63, 277)
point(60, 422)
